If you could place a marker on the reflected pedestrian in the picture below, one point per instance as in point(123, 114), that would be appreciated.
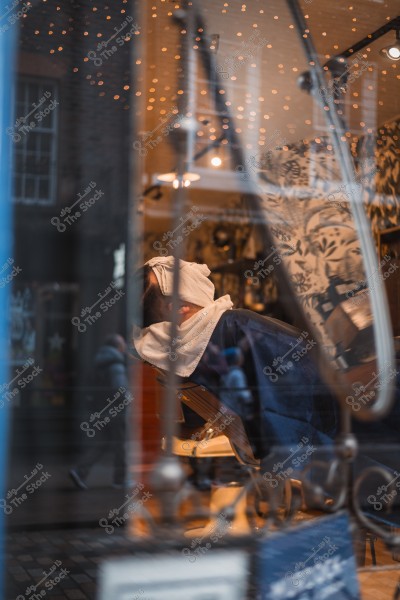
point(111, 380)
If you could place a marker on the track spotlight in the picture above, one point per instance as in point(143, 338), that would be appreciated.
point(393, 50)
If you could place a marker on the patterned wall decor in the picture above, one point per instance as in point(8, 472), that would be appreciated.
point(313, 227)
point(382, 176)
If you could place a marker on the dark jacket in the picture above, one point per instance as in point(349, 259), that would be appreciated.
point(110, 372)
point(291, 403)
point(290, 400)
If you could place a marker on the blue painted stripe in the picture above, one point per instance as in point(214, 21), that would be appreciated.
point(8, 34)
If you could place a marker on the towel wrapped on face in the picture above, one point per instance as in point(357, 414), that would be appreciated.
point(194, 285)
point(154, 344)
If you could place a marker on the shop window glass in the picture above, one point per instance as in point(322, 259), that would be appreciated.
point(35, 141)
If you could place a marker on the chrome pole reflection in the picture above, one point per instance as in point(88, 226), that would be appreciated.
point(169, 475)
point(382, 329)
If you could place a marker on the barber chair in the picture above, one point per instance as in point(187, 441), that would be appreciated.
point(210, 445)
point(234, 442)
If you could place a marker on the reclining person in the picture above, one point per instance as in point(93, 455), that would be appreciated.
point(290, 404)
point(293, 411)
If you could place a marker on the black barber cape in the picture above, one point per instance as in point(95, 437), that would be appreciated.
point(290, 403)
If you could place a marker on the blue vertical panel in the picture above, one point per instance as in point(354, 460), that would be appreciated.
point(7, 58)
point(312, 560)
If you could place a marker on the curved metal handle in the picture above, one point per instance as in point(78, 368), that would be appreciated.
point(383, 336)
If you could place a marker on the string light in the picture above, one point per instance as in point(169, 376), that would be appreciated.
point(247, 109)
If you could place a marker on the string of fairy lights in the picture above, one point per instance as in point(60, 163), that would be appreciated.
point(248, 111)
point(278, 93)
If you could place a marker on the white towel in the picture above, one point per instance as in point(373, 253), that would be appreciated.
point(194, 285)
point(153, 343)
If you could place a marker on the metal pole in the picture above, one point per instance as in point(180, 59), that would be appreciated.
point(169, 475)
point(134, 256)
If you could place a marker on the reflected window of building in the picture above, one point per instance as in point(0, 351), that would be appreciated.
point(35, 141)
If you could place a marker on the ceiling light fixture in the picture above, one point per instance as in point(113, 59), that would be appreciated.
point(216, 161)
point(393, 50)
point(172, 177)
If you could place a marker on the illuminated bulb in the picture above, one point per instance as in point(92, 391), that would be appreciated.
point(216, 161)
point(171, 177)
point(175, 183)
point(393, 51)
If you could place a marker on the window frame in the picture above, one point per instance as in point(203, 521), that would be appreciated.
point(42, 82)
